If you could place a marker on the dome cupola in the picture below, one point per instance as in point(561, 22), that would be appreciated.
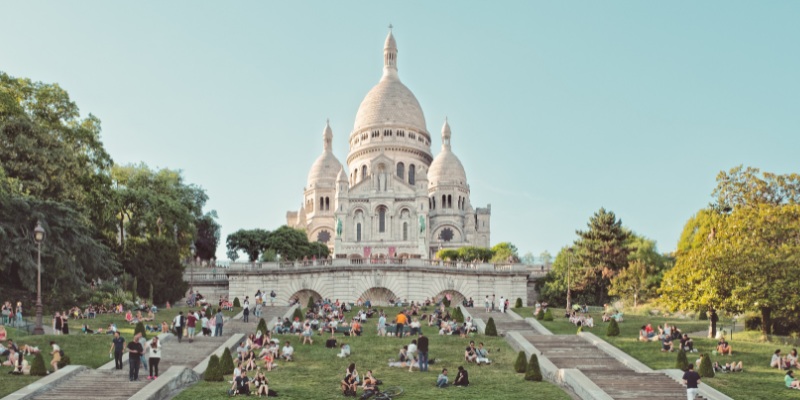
point(446, 168)
point(326, 168)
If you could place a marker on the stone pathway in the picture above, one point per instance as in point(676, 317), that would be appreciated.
point(572, 351)
point(112, 384)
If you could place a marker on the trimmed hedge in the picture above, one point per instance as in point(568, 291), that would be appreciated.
point(682, 363)
point(613, 328)
point(548, 316)
point(298, 314)
point(226, 362)
point(705, 370)
point(539, 315)
point(491, 329)
point(518, 303)
point(533, 373)
point(237, 303)
point(213, 372)
point(140, 329)
point(37, 367)
point(311, 303)
point(262, 326)
point(458, 316)
point(521, 365)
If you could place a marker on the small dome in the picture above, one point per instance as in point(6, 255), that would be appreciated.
point(326, 168)
point(446, 168)
point(342, 177)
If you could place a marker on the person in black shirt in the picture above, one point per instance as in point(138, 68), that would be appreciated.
point(691, 379)
point(242, 384)
point(117, 346)
point(462, 377)
point(422, 350)
point(135, 352)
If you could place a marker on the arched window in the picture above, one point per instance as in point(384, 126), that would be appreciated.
point(412, 174)
point(327, 203)
point(382, 219)
point(401, 170)
point(444, 201)
point(449, 201)
point(405, 230)
point(321, 203)
point(358, 232)
point(363, 172)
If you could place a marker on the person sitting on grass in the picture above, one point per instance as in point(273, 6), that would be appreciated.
point(462, 377)
point(790, 381)
point(589, 322)
point(241, 385)
point(687, 344)
point(355, 328)
point(643, 336)
point(666, 344)
point(777, 360)
point(469, 352)
point(287, 352)
point(728, 367)
point(791, 359)
point(441, 381)
point(370, 385)
point(344, 351)
point(249, 361)
point(350, 381)
point(482, 355)
point(262, 384)
point(723, 347)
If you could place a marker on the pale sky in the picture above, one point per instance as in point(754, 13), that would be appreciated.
point(557, 108)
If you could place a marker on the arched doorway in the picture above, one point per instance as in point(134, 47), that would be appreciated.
point(454, 296)
point(303, 295)
point(379, 296)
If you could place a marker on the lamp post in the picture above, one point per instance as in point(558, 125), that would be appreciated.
point(38, 236)
point(569, 287)
point(191, 268)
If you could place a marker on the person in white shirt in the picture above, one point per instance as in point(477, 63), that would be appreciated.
point(412, 355)
point(502, 304)
point(287, 351)
point(154, 350)
point(345, 351)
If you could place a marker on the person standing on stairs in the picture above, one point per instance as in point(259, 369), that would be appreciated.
point(135, 351)
point(691, 379)
point(154, 348)
point(117, 346)
point(177, 324)
point(220, 320)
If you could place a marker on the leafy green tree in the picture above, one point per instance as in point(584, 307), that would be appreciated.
point(553, 287)
point(491, 329)
point(631, 283)
point(521, 364)
point(252, 242)
point(504, 252)
point(528, 258)
point(208, 234)
point(602, 253)
point(613, 328)
point(226, 362)
point(546, 258)
point(293, 244)
point(533, 372)
point(155, 261)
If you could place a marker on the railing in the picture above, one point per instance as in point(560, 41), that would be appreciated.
point(368, 262)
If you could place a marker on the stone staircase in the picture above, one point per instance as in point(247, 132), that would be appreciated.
point(613, 377)
point(504, 322)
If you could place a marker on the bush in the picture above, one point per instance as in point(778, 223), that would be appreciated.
point(518, 303)
point(548, 316)
point(533, 373)
point(539, 315)
point(226, 363)
point(64, 361)
point(580, 329)
point(237, 303)
point(682, 363)
point(521, 365)
point(311, 303)
point(298, 314)
point(613, 328)
point(37, 368)
point(706, 371)
point(262, 326)
point(491, 329)
point(458, 316)
point(140, 329)
point(213, 373)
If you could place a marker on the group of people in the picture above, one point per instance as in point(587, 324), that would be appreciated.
point(490, 305)
point(203, 321)
point(11, 315)
point(667, 335)
point(141, 353)
point(784, 362)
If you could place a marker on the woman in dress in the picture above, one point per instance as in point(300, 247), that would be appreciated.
point(64, 324)
point(262, 384)
point(57, 323)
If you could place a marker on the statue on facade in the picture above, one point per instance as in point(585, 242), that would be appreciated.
point(338, 227)
point(421, 224)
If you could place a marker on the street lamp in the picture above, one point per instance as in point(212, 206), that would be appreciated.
point(193, 248)
point(38, 236)
point(569, 288)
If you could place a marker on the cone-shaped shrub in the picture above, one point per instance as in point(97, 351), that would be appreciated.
point(490, 330)
point(548, 316)
point(298, 314)
point(613, 328)
point(213, 373)
point(521, 365)
point(682, 363)
point(310, 304)
point(37, 368)
point(226, 362)
point(533, 373)
point(706, 371)
point(539, 315)
point(458, 316)
point(237, 303)
point(518, 304)
point(262, 326)
point(140, 329)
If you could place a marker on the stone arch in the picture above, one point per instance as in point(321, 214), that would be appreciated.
point(378, 278)
point(442, 284)
point(303, 295)
point(455, 296)
point(378, 296)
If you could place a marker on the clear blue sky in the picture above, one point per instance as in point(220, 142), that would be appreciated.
point(557, 108)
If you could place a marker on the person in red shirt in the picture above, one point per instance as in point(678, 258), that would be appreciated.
point(191, 322)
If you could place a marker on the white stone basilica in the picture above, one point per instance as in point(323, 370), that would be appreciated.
point(394, 199)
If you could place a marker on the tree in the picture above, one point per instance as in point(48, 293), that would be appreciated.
point(521, 364)
point(742, 187)
point(630, 283)
point(546, 258)
point(155, 261)
point(252, 242)
point(491, 329)
point(533, 372)
point(553, 287)
point(528, 258)
point(601, 253)
point(226, 362)
point(208, 234)
point(504, 252)
point(293, 244)
point(613, 328)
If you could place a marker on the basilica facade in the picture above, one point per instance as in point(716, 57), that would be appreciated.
point(394, 198)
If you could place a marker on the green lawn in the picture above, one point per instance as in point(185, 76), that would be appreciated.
point(88, 350)
point(757, 382)
point(317, 371)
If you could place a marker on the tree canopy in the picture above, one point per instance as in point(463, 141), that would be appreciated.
point(290, 243)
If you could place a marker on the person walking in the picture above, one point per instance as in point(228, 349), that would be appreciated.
point(246, 314)
point(691, 379)
point(219, 319)
point(422, 349)
point(191, 322)
point(143, 342)
point(177, 323)
point(117, 346)
point(56, 353)
point(135, 351)
point(154, 348)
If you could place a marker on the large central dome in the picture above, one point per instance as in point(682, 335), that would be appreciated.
point(390, 103)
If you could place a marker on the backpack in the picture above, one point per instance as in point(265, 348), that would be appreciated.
point(61, 352)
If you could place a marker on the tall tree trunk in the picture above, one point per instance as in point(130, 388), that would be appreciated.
point(766, 320)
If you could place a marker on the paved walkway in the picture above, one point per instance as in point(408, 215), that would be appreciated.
point(572, 351)
point(112, 384)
